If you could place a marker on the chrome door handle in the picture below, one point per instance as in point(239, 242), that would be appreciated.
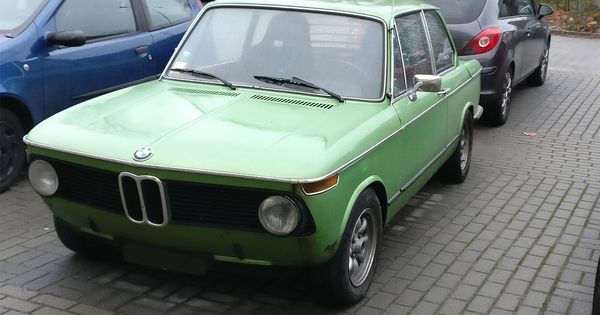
point(443, 92)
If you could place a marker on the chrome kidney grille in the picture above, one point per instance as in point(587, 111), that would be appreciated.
point(144, 199)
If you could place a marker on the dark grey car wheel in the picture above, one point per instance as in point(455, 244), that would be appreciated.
point(12, 148)
point(346, 278)
point(497, 111)
point(538, 77)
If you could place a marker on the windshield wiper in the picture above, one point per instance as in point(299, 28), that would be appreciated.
point(199, 73)
point(297, 81)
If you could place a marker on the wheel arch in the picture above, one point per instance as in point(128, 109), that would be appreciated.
point(19, 108)
point(373, 182)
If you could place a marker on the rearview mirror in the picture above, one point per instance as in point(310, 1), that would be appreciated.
point(544, 10)
point(69, 38)
point(425, 83)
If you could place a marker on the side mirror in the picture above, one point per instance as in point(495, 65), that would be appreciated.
point(544, 10)
point(68, 38)
point(425, 83)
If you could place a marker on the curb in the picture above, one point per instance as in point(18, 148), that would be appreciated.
point(576, 34)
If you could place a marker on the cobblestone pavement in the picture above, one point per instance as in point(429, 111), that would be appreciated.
point(522, 234)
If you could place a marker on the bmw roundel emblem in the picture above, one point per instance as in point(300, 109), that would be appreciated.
point(142, 154)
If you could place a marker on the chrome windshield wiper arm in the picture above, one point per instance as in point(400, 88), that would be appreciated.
point(199, 73)
point(298, 81)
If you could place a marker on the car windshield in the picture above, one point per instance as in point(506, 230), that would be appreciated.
point(15, 13)
point(459, 12)
point(338, 53)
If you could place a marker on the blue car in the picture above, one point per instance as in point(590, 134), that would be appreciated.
point(56, 53)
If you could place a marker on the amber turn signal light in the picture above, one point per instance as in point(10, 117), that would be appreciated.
point(321, 186)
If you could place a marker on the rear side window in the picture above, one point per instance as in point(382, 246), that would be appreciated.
point(164, 13)
point(415, 48)
point(97, 19)
point(443, 53)
point(459, 12)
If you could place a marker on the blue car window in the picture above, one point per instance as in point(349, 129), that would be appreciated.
point(96, 19)
point(164, 13)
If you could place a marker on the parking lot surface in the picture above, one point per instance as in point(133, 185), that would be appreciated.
point(521, 235)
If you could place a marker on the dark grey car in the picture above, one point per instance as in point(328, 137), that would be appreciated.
point(509, 39)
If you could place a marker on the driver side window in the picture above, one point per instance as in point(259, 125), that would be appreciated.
point(415, 47)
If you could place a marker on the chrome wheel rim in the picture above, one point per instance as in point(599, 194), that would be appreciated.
point(465, 147)
point(506, 94)
point(362, 247)
point(545, 63)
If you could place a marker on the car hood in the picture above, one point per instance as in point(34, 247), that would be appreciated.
point(207, 128)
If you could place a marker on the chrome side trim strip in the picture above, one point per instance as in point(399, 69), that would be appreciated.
point(414, 179)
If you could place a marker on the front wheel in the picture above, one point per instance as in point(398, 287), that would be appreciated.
point(457, 166)
point(12, 148)
point(346, 278)
point(538, 77)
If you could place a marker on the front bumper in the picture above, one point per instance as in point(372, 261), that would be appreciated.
point(218, 244)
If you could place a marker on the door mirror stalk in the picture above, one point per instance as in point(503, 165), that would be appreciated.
point(425, 83)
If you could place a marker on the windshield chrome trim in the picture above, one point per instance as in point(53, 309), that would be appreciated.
point(215, 5)
point(240, 175)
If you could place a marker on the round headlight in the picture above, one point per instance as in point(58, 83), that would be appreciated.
point(278, 215)
point(43, 178)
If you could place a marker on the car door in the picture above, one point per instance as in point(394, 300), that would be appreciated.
point(117, 51)
point(453, 75)
point(424, 119)
point(514, 15)
point(536, 35)
point(167, 21)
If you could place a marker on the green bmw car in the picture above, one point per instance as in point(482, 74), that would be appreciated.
point(280, 133)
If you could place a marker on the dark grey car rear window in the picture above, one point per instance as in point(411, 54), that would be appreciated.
point(459, 12)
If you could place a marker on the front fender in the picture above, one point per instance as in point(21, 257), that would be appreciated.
point(331, 217)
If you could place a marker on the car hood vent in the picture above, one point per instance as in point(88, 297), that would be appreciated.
point(203, 92)
point(291, 101)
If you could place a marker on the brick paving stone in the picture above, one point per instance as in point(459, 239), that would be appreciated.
point(50, 311)
point(18, 304)
point(53, 301)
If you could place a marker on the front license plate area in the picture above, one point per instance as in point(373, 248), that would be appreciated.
point(166, 259)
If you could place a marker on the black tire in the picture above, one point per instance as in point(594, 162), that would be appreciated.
point(337, 284)
point(12, 148)
point(538, 77)
point(596, 300)
point(456, 168)
point(496, 112)
point(83, 244)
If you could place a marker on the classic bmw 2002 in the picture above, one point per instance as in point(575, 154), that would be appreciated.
point(278, 134)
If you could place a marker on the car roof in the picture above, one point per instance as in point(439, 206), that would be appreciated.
point(384, 9)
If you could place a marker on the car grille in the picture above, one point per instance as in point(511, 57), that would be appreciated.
point(189, 203)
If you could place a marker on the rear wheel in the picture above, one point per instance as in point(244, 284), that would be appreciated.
point(538, 77)
point(346, 278)
point(12, 148)
point(457, 166)
point(496, 112)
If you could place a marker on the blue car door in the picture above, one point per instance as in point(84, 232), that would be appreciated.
point(167, 21)
point(117, 51)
